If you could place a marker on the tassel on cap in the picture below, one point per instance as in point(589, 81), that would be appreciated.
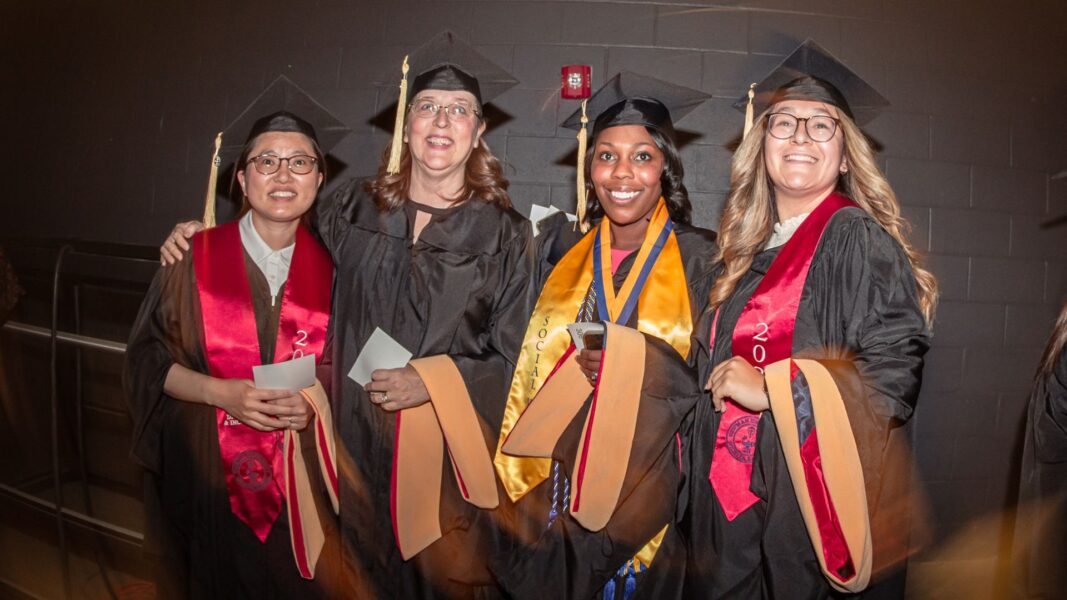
point(398, 128)
point(748, 110)
point(212, 181)
point(583, 143)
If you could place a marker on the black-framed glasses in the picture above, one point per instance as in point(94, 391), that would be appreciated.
point(299, 164)
point(819, 128)
point(457, 111)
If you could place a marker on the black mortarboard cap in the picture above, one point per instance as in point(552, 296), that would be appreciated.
point(633, 99)
point(282, 106)
point(446, 62)
point(812, 73)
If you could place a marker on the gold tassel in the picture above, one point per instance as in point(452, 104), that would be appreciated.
point(212, 181)
point(583, 142)
point(398, 127)
point(748, 110)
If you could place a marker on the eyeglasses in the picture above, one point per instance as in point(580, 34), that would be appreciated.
point(299, 164)
point(457, 111)
point(819, 128)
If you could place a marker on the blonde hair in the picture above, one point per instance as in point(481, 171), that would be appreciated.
point(1056, 343)
point(749, 214)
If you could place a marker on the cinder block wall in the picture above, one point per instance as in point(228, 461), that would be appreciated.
point(111, 108)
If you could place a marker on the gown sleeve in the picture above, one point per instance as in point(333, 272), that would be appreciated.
point(872, 297)
point(488, 373)
point(835, 416)
point(333, 216)
point(160, 337)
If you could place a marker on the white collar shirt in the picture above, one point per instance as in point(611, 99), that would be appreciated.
point(274, 264)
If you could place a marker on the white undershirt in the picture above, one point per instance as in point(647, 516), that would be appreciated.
point(785, 230)
point(274, 264)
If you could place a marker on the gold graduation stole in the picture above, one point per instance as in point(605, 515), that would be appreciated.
point(663, 311)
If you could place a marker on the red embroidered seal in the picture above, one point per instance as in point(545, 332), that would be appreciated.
point(741, 439)
point(251, 470)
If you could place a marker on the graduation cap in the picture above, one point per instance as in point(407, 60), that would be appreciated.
point(283, 106)
point(629, 99)
point(445, 62)
point(812, 73)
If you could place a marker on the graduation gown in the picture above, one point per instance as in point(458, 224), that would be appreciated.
point(1040, 541)
point(198, 547)
point(459, 291)
point(859, 317)
point(558, 557)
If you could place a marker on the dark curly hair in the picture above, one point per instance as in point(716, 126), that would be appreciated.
point(674, 192)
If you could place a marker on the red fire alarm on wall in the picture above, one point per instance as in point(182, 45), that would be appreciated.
point(575, 84)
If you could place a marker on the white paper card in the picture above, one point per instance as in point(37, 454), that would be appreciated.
point(578, 331)
point(538, 213)
point(293, 375)
point(380, 352)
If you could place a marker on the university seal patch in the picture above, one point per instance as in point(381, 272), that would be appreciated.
point(741, 439)
point(251, 470)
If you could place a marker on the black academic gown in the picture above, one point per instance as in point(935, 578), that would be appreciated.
point(859, 316)
point(460, 290)
point(198, 547)
point(567, 560)
point(1040, 541)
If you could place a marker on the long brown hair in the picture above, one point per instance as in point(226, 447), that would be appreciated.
point(749, 214)
point(1056, 343)
point(483, 179)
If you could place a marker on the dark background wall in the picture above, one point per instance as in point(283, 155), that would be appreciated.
point(110, 109)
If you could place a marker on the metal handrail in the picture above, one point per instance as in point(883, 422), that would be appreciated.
point(75, 517)
point(63, 514)
point(73, 339)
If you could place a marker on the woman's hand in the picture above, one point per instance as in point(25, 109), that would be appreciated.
point(265, 410)
point(589, 363)
point(293, 410)
point(396, 389)
point(739, 381)
point(171, 250)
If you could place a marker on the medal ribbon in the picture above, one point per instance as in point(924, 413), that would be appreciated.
point(763, 335)
point(662, 301)
point(251, 458)
point(618, 308)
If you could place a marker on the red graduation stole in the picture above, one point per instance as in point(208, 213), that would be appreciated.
point(764, 335)
point(254, 459)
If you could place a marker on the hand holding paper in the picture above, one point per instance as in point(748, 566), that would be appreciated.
point(293, 375)
point(380, 352)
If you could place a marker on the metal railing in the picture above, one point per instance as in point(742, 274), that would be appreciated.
point(63, 515)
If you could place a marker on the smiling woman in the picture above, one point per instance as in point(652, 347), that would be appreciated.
point(592, 521)
point(233, 509)
point(812, 351)
point(280, 180)
point(626, 170)
point(430, 252)
point(804, 155)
